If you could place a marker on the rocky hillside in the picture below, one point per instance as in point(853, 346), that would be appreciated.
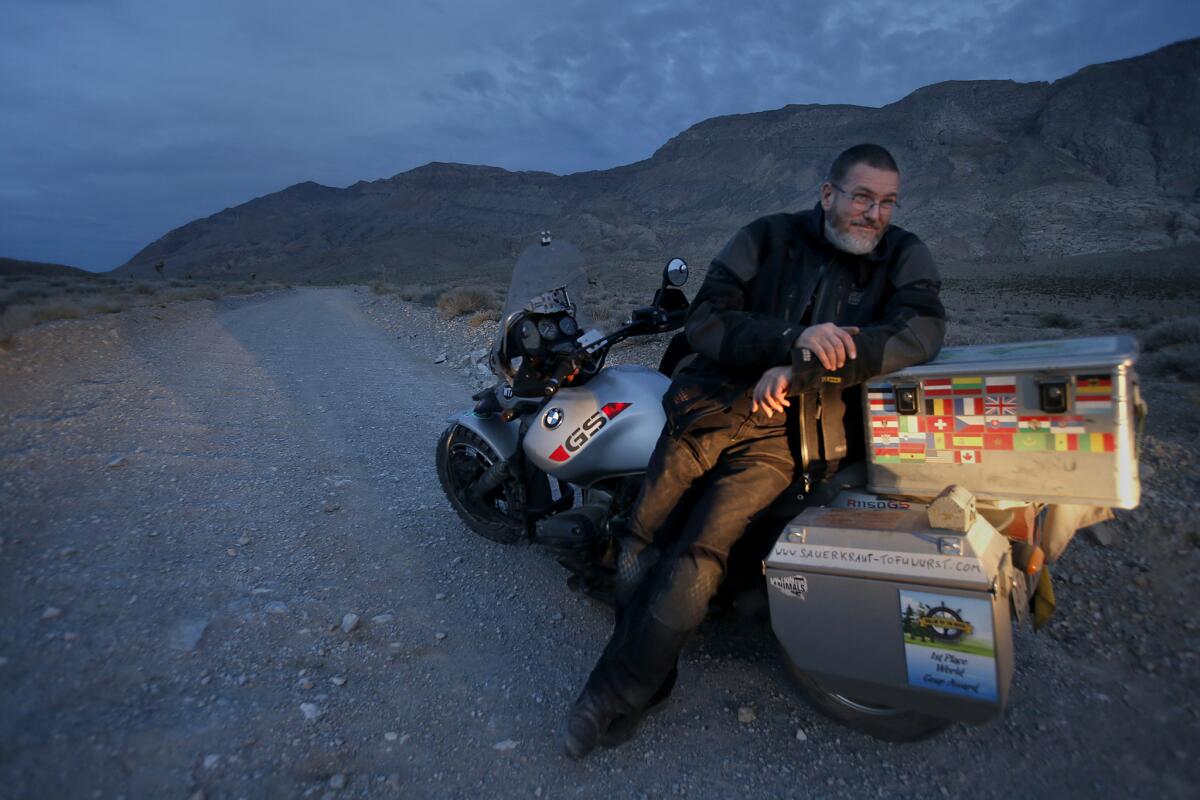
point(17, 268)
point(1107, 159)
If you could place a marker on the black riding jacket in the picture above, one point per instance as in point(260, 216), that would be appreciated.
point(777, 276)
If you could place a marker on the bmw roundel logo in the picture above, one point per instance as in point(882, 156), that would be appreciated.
point(553, 418)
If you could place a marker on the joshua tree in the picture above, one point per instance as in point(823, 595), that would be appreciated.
point(159, 268)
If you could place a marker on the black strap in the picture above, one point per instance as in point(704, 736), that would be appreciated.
point(808, 409)
point(833, 430)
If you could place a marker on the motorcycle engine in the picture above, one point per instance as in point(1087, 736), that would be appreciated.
point(576, 537)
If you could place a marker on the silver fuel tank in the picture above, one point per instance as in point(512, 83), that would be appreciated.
point(607, 427)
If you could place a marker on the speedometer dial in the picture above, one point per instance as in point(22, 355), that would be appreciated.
point(548, 329)
point(530, 340)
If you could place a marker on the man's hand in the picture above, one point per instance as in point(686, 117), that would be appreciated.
point(771, 391)
point(830, 344)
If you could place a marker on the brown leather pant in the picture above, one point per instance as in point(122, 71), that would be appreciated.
point(666, 577)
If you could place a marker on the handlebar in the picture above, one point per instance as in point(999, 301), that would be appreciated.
point(645, 321)
point(585, 360)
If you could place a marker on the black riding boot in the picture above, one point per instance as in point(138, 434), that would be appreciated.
point(596, 708)
point(622, 729)
point(636, 672)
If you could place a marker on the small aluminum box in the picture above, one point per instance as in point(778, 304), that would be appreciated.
point(1051, 422)
point(876, 606)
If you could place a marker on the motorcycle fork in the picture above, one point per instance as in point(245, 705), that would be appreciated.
point(539, 500)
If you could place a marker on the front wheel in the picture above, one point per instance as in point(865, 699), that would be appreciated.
point(882, 722)
point(462, 458)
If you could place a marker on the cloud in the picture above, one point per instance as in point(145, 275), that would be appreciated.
point(479, 81)
point(123, 119)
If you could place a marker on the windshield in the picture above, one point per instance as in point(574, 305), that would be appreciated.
point(544, 268)
point(541, 274)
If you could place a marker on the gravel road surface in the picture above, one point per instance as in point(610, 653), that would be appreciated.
point(227, 570)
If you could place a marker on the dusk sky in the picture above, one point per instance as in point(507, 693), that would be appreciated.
point(123, 119)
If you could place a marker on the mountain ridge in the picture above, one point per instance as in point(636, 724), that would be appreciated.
point(1105, 159)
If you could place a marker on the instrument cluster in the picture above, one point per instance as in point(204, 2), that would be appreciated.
point(542, 332)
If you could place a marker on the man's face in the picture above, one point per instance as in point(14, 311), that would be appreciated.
point(857, 209)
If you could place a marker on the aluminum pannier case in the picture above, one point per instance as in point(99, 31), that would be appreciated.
point(1051, 422)
point(874, 604)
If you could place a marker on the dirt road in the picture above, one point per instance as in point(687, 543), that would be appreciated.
point(192, 500)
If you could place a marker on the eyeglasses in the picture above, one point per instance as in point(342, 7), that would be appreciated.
point(865, 202)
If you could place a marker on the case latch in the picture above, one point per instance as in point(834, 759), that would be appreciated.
point(948, 546)
point(906, 400)
point(1052, 395)
point(798, 536)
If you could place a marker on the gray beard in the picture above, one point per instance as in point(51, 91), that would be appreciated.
point(847, 243)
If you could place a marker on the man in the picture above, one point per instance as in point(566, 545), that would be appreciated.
point(795, 309)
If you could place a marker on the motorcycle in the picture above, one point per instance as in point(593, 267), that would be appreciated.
point(555, 453)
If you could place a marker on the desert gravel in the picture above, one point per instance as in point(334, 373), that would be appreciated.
point(227, 570)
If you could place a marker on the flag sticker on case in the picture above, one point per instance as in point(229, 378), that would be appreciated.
point(1093, 392)
point(938, 387)
point(939, 407)
point(967, 385)
point(968, 406)
point(999, 406)
point(1001, 384)
point(881, 398)
point(961, 418)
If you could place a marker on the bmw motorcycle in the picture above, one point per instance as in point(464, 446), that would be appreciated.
point(555, 453)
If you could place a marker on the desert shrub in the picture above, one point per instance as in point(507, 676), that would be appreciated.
point(111, 306)
point(22, 296)
point(418, 292)
point(1059, 319)
point(182, 294)
point(203, 293)
point(173, 295)
point(380, 287)
point(48, 312)
point(19, 317)
point(145, 288)
point(602, 312)
point(1184, 330)
point(1181, 362)
point(246, 287)
point(465, 300)
point(483, 317)
point(13, 319)
point(604, 304)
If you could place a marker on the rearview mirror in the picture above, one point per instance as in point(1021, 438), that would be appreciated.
point(675, 273)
